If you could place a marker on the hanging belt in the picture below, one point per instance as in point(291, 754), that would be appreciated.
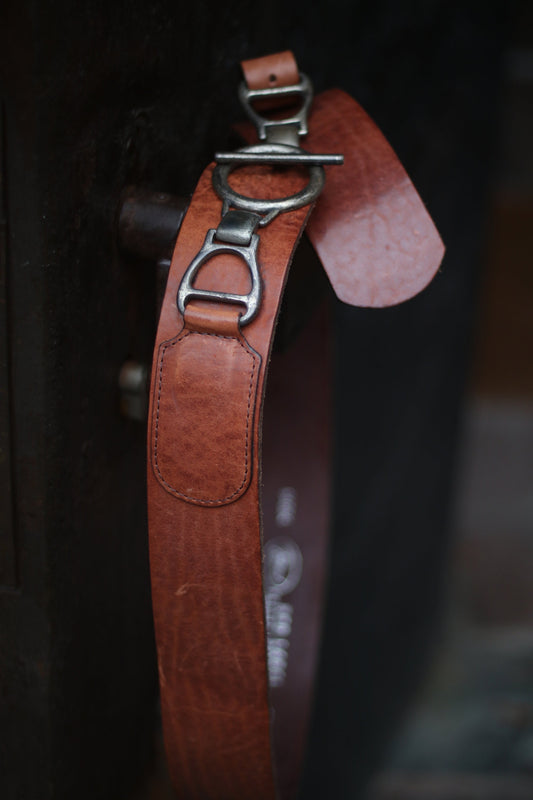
point(238, 479)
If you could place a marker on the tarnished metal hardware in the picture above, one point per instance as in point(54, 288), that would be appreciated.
point(243, 215)
point(209, 249)
point(270, 208)
point(302, 92)
point(297, 158)
point(238, 227)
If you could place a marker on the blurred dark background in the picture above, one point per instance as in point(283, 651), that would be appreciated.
point(470, 734)
point(427, 665)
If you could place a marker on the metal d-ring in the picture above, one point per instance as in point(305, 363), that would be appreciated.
point(269, 208)
point(304, 89)
point(209, 249)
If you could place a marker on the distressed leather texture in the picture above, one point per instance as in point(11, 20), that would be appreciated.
point(206, 561)
point(197, 455)
point(214, 485)
point(371, 230)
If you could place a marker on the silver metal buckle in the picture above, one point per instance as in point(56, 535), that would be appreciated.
point(270, 208)
point(209, 249)
point(242, 215)
point(304, 89)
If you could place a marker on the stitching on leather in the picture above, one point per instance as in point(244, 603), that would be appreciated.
point(169, 487)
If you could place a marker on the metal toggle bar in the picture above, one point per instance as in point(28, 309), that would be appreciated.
point(307, 159)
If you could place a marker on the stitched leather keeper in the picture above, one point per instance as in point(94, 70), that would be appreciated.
point(195, 456)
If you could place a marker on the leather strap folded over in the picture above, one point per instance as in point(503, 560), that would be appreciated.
point(371, 230)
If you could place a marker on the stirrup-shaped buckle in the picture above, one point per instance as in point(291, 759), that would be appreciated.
point(209, 249)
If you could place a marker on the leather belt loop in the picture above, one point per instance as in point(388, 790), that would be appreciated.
point(238, 486)
point(279, 69)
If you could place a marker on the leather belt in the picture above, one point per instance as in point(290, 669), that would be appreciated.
point(238, 486)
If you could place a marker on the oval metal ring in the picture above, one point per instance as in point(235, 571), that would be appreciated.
point(278, 204)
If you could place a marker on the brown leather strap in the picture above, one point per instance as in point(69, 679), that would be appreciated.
point(373, 234)
point(270, 72)
point(237, 478)
point(204, 514)
point(279, 69)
